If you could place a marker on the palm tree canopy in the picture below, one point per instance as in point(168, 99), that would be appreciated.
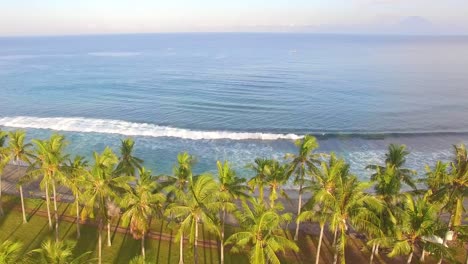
point(305, 161)
point(10, 251)
point(18, 149)
point(262, 235)
point(128, 164)
point(141, 203)
point(57, 253)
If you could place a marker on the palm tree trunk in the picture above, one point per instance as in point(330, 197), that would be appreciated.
point(48, 204)
point(195, 244)
point(260, 190)
point(372, 253)
point(181, 249)
point(100, 242)
point(299, 205)
point(78, 234)
point(334, 236)
point(22, 204)
point(335, 246)
point(410, 257)
point(109, 243)
point(55, 212)
point(317, 258)
point(222, 236)
point(423, 254)
point(143, 245)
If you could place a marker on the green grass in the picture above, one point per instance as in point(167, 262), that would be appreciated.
point(123, 248)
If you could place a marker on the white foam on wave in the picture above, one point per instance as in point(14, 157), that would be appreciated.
point(78, 124)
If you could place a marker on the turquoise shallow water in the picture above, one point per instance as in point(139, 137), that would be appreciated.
point(239, 96)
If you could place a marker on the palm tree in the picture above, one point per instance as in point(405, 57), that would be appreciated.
point(277, 177)
point(177, 183)
point(231, 188)
point(344, 197)
point(49, 163)
point(3, 162)
point(303, 163)
point(396, 158)
point(418, 220)
point(454, 189)
point(101, 187)
point(317, 213)
point(19, 152)
point(10, 251)
point(141, 203)
point(261, 234)
point(128, 164)
point(76, 176)
point(199, 205)
point(58, 253)
point(261, 167)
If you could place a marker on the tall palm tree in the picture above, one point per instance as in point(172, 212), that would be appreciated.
point(177, 183)
point(19, 152)
point(277, 177)
point(49, 163)
point(3, 162)
point(10, 252)
point(58, 253)
point(128, 164)
point(344, 197)
point(396, 158)
point(101, 187)
point(76, 171)
point(454, 190)
point(231, 188)
point(261, 167)
point(199, 205)
point(317, 213)
point(261, 234)
point(303, 163)
point(418, 220)
point(141, 203)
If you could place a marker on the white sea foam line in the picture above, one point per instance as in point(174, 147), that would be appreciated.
point(77, 124)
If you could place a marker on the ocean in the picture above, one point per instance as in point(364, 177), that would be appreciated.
point(238, 96)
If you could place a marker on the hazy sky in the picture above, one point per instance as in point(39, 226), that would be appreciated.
point(58, 17)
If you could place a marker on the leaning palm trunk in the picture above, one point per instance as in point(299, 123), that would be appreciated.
point(55, 212)
point(195, 244)
point(372, 253)
point(48, 204)
point(317, 258)
point(423, 254)
point(335, 244)
point(78, 234)
point(299, 205)
point(100, 242)
point(181, 249)
point(410, 257)
point(22, 204)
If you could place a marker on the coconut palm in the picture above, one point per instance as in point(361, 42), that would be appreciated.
point(10, 252)
point(76, 171)
point(277, 177)
point(177, 183)
point(303, 163)
point(198, 205)
point(49, 163)
point(316, 213)
point(128, 164)
point(261, 168)
point(231, 188)
point(454, 189)
point(58, 253)
point(345, 198)
point(261, 235)
point(139, 260)
point(3, 162)
point(419, 219)
point(396, 158)
point(100, 187)
point(19, 152)
point(141, 203)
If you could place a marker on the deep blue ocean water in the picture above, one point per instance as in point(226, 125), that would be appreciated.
point(240, 96)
